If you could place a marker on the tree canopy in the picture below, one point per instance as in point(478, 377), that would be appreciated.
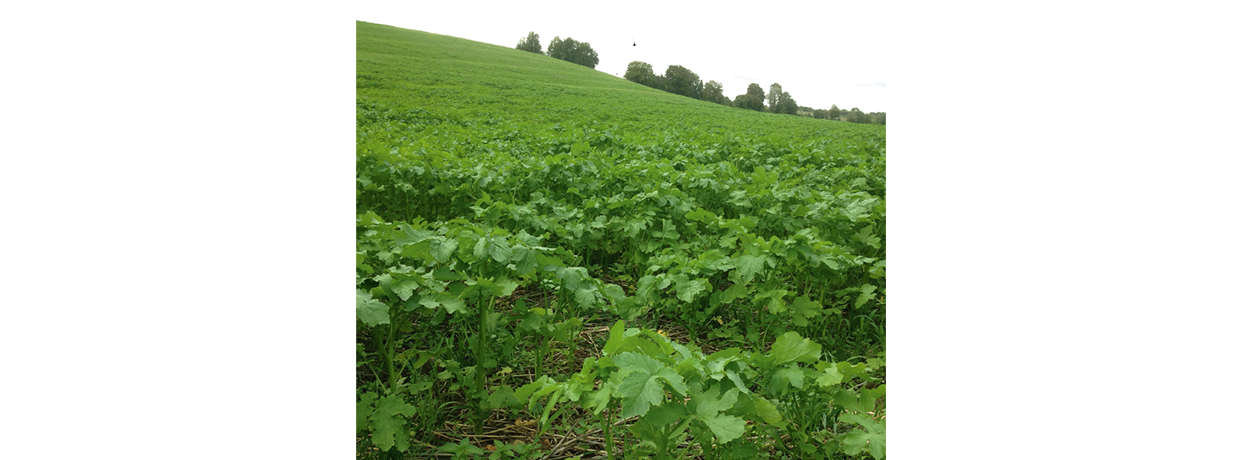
point(640, 72)
point(773, 96)
point(747, 101)
point(713, 92)
point(572, 51)
point(530, 43)
point(683, 81)
point(756, 91)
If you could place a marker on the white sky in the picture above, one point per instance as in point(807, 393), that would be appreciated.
point(824, 53)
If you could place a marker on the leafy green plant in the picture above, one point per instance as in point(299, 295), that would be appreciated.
point(523, 199)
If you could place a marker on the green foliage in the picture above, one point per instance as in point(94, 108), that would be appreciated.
point(713, 92)
point(508, 205)
point(683, 81)
point(716, 396)
point(385, 419)
point(572, 51)
point(530, 43)
point(855, 115)
point(774, 96)
point(755, 90)
point(640, 72)
point(462, 449)
point(748, 101)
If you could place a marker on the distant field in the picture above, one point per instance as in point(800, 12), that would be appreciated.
point(553, 261)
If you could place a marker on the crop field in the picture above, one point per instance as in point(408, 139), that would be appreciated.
point(554, 262)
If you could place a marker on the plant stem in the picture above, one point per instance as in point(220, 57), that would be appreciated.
point(391, 350)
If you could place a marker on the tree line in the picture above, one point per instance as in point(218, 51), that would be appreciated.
point(566, 50)
point(680, 80)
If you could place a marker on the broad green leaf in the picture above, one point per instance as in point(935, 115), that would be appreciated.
point(444, 274)
point(802, 309)
point(872, 438)
point(709, 404)
point(502, 397)
point(401, 284)
point(525, 260)
point(387, 429)
point(666, 414)
point(585, 296)
point(851, 371)
point(524, 392)
point(480, 249)
point(830, 376)
point(791, 347)
point(750, 265)
point(508, 285)
point(462, 449)
point(596, 401)
point(867, 293)
point(736, 379)
point(372, 312)
point(701, 215)
point(640, 390)
point(408, 235)
point(365, 407)
point(643, 384)
point(500, 250)
point(780, 380)
point(646, 290)
point(573, 278)
point(442, 250)
point(635, 362)
point(689, 290)
point(735, 291)
point(769, 412)
point(613, 293)
point(743, 450)
point(614, 337)
point(858, 402)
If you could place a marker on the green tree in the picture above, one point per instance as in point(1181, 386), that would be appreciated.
point(821, 114)
point(774, 96)
point(573, 51)
point(640, 72)
point(530, 43)
point(786, 104)
point(755, 90)
point(880, 118)
point(834, 113)
point(713, 92)
point(683, 81)
point(659, 82)
point(855, 115)
point(748, 101)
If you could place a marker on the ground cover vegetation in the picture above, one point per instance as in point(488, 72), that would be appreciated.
point(553, 262)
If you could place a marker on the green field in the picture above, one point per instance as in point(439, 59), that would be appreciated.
point(554, 262)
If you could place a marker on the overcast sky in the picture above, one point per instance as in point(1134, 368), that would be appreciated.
point(829, 52)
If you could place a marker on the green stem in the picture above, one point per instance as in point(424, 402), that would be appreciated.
point(538, 354)
point(607, 435)
point(391, 350)
point(479, 356)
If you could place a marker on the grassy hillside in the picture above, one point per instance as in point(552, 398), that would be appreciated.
point(465, 80)
point(556, 262)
